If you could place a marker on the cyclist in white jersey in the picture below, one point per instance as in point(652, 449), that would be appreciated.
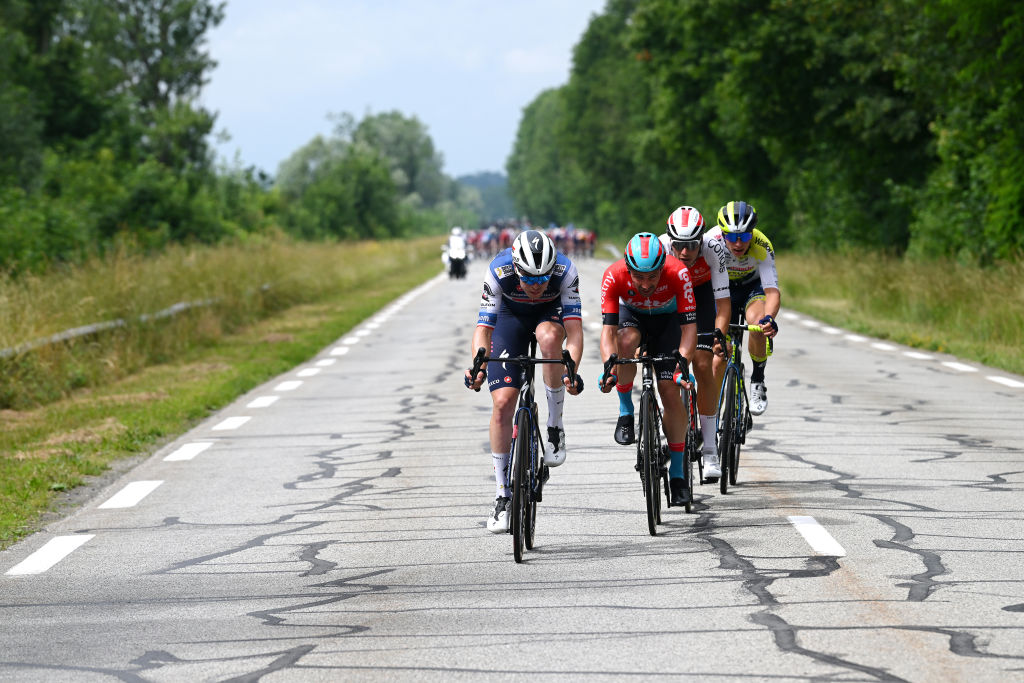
point(753, 286)
point(706, 258)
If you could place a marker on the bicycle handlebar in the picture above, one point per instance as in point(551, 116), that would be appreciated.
point(614, 360)
point(480, 358)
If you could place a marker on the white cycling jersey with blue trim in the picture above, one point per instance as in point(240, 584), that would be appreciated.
point(501, 286)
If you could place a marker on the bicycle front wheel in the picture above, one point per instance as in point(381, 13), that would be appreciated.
point(649, 460)
point(520, 483)
point(727, 435)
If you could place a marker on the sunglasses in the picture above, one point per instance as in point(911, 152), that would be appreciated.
point(686, 244)
point(533, 279)
point(737, 236)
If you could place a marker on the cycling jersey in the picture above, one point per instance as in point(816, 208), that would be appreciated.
point(709, 266)
point(757, 263)
point(502, 287)
point(673, 294)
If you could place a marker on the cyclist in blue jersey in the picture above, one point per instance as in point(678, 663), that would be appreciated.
point(529, 288)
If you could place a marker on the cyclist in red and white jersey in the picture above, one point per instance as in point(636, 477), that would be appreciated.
point(753, 286)
point(648, 291)
point(706, 259)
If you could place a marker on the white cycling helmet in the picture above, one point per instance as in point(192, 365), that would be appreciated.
point(533, 253)
point(456, 230)
point(685, 224)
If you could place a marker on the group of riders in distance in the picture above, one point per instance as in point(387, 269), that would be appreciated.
point(678, 291)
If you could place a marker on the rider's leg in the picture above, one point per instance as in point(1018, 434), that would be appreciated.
point(674, 421)
point(628, 341)
point(504, 408)
point(758, 349)
point(549, 340)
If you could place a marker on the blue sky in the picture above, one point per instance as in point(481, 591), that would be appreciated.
point(465, 68)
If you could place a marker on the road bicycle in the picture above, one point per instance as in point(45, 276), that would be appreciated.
point(734, 420)
point(652, 459)
point(526, 469)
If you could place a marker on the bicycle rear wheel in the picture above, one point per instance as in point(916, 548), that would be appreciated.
point(741, 431)
point(533, 481)
point(649, 460)
point(520, 483)
point(727, 436)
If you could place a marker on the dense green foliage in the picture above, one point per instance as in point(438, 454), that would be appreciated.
point(103, 143)
point(889, 123)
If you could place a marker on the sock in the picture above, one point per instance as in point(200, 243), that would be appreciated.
point(707, 430)
point(625, 398)
point(501, 489)
point(757, 374)
point(675, 468)
point(555, 399)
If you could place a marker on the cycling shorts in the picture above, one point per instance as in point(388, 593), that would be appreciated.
point(706, 310)
point(743, 295)
point(662, 332)
point(511, 337)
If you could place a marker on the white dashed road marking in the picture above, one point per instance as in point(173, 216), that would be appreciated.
point(326, 361)
point(917, 354)
point(339, 350)
point(262, 401)
point(131, 494)
point(189, 451)
point(1006, 381)
point(309, 372)
point(856, 338)
point(231, 423)
point(959, 366)
point(290, 385)
point(55, 550)
point(820, 540)
point(883, 347)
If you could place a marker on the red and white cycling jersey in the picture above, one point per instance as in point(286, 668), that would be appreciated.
point(710, 266)
point(674, 293)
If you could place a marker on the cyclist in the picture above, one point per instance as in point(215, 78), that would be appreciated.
point(753, 286)
point(706, 260)
point(646, 291)
point(529, 288)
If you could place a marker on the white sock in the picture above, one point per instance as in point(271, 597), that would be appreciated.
point(501, 489)
point(555, 399)
point(707, 429)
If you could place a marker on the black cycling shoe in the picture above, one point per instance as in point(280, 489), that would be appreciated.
point(545, 474)
point(624, 430)
point(681, 494)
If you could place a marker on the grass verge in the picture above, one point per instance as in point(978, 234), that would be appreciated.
point(971, 312)
point(48, 450)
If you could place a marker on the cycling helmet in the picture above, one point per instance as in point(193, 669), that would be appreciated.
point(737, 217)
point(456, 230)
point(645, 253)
point(685, 224)
point(533, 253)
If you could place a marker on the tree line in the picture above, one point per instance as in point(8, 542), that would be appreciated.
point(896, 124)
point(104, 143)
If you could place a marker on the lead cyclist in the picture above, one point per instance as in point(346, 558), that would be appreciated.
point(529, 288)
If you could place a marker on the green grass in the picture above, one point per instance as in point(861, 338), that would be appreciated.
point(129, 401)
point(972, 312)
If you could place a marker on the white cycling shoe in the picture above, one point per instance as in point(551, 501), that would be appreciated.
point(712, 469)
point(758, 398)
point(554, 447)
point(497, 521)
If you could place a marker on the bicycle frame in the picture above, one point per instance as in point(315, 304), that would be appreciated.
point(733, 415)
point(525, 469)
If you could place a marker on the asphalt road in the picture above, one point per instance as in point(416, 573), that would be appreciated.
point(330, 526)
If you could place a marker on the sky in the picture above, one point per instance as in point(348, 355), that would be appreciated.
point(465, 68)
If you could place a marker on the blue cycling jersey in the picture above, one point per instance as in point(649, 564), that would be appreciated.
point(502, 288)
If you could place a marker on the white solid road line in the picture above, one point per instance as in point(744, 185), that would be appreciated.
point(820, 540)
point(231, 423)
point(189, 451)
point(55, 550)
point(262, 401)
point(131, 494)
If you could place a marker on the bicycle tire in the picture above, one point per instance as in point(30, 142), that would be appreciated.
point(520, 484)
point(691, 446)
point(533, 481)
point(649, 474)
point(741, 430)
point(727, 425)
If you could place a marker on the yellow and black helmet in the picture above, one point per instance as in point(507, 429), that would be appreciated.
point(737, 217)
